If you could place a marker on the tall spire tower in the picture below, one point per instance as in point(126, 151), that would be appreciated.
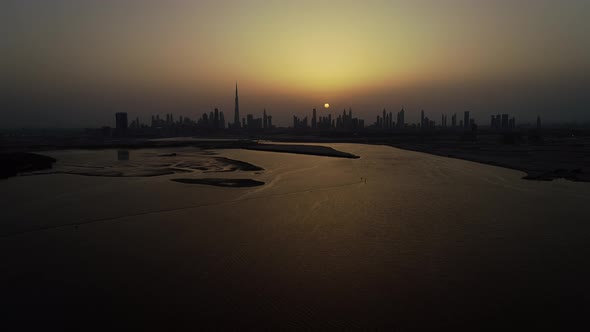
point(237, 110)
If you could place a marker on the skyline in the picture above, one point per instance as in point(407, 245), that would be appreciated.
point(75, 63)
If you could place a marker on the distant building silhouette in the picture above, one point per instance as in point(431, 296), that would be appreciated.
point(505, 121)
point(299, 123)
point(466, 120)
point(121, 123)
point(538, 122)
point(221, 121)
point(237, 110)
point(422, 119)
point(401, 118)
point(264, 119)
point(216, 119)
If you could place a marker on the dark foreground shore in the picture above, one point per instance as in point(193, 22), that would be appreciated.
point(543, 163)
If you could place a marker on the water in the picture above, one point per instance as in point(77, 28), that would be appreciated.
point(424, 242)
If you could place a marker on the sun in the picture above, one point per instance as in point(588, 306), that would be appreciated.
point(326, 105)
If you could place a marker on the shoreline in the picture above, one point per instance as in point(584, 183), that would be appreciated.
point(558, 158)
point(535, 169)
point(312, 150)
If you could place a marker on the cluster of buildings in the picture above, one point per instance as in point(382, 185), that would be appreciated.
point(212, 121)
point(504, 121)
point(249, 122)
point(344, 121)
point(215, 121)
point(386, 121)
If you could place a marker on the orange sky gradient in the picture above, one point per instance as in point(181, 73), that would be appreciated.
point(291, 56)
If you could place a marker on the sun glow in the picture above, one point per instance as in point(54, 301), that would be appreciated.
point(326, 105)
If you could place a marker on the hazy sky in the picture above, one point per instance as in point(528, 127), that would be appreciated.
point(76, 62)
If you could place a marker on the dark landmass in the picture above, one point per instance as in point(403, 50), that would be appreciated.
point(17, 162)
point(315, 150)
point(539, 164)
point(231, 183)
point(567, 158)
point(157, 165)
point(237, 165)
point(126, 173)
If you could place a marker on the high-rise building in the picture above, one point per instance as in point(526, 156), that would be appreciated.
point(314, 122)
point(237, 110)
point(401, 121)
point(466, 121)
point(538, 122)
point(422, 119)
point(264, 120)
point(216, 119)
point(505, 121)
point(390, 120)
point(121, 123)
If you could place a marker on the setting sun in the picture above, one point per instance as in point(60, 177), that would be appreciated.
point(326, 105)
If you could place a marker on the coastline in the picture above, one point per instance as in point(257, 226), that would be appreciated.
point(313, 150)
point(538, 164)
point(557, 157)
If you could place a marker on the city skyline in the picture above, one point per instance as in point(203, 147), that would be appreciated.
point(323, 120)
point(215, 120)
point(74, 63)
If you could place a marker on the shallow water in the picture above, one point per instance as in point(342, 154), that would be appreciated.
point(395, 239)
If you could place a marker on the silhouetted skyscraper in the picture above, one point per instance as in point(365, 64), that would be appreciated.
point(466, 121)
point(314, 122)
point(264, 120)
point(216, 119)
point(538, 122)
point(401, 118)
point(422, 119)
point(237, 110)
point(121, 123)
point(505, 121)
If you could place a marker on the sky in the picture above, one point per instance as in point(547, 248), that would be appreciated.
point(74, 63)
